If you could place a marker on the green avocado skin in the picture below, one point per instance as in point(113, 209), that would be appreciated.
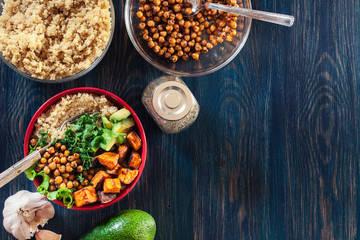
point(129, 224)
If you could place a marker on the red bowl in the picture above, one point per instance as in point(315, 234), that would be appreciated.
point(117, 102)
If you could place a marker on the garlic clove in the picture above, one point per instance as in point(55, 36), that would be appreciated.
point(47, 235)
point(46, 212)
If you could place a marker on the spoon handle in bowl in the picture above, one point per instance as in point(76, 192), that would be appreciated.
point(19, 167)
point(281, 19)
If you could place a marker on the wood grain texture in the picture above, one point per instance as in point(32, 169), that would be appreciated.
point(273, 154)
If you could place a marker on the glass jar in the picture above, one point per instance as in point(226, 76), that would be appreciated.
point(171, 104)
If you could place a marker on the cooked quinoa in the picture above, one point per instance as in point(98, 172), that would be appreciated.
point(52, 39)
point(69, 106)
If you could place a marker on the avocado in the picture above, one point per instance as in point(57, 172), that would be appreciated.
point(129, 224)
point(121, 138)
point(123, 126)
point(107, 124)
point(120, 115)
point(110, 138)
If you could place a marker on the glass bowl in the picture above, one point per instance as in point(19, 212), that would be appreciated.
point(117, 102)
point(76, 75)
point(212, 61)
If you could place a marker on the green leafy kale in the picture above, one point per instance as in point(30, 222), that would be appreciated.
point(84, 137)
point(80, 178)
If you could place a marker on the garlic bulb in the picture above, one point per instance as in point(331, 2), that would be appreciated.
point(24, 212)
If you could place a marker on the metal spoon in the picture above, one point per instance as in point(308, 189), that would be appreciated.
point(281, 19)
point(19, 167)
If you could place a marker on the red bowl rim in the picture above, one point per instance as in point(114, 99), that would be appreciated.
point(119, 103)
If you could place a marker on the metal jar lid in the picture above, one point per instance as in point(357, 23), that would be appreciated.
point(172, 100)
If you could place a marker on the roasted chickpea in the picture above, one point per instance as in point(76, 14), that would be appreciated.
point(195, 56)
point(63, 160)
point(70, 158)
point(51, 150)
point(73, 164)
point(52, 166)
point(62, 185)
point(69, 169)
point(43, 160)
point(150, 23)
point(56, 173)
point(41, 166)
point(57, 145)
point(89, 177)
point(52, 188)
point(80, 169)
point(47, 170)
point(75, 183)
point(58, 180)
point(70, 184)
point(52, 181)
point(33, 142)
point(65, 175)
point(63, 148)
point(151, 44)
point(62, 168)
point(66, 153)
point(174, 58)
point(46, 155)
point(188, 11)
point(142, 25)
point(91, 171)
point(139, 14)
point(79, 161)
point(72, 177)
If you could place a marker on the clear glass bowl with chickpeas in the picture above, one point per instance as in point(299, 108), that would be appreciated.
point(171, 38)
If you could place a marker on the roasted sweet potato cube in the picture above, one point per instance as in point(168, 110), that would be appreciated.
point(112, 185)
point(134, 140)
point(127, 175)
point(134, 160)
point(85, 196)
point(99, 177)
point(109, 159)
point(114, 171)
point(123, 151)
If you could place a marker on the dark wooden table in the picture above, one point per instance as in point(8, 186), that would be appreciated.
point(274, 153)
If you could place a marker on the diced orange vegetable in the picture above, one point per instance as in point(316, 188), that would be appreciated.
point(109, 159)
point(114, 171)
point(127, 175)
point(134, 140)
point(134, 160)
point(123, 151)
point(99, 177)
point(112, 185)
point(85, 196)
